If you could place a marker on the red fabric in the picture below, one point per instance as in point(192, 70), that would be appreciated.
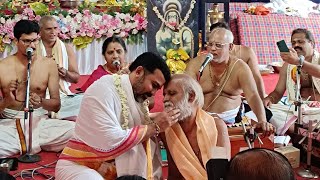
point(96, 74)
point(261, 10)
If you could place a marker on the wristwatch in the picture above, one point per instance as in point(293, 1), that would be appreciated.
point(301, 60)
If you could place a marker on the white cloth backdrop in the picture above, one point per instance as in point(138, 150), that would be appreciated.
point(90, 57)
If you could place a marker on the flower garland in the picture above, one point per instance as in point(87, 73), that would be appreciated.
point(156, 10)
point(124, 106)
point(123, 100)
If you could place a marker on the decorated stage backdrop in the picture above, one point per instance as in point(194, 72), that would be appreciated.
point(173, 30)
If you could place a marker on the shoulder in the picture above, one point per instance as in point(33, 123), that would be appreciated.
point(6, 60)
point(5, 63)
point(197, 60)
point(99, 70)
point(239, 65)
point(243, 52)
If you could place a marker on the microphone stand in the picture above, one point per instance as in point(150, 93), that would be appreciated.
point(305, 173)
point(298, 102)
point(28, 114)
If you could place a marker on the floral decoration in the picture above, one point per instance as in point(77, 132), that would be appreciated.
point(123, 100)
point(176, 60)
point(79, 25)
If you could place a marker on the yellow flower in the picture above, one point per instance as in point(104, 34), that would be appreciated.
point(171, 53)
point(183, 54)
point(82, 41)
point(39, 8)
point(1, 45)
point(176, 66)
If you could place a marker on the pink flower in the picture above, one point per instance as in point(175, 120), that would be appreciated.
point(86, 13)
point(127, 18)
point(37, 18)
point(98, 36)
point(142, 23)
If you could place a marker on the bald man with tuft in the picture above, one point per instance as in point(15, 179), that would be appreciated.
point(224, 79)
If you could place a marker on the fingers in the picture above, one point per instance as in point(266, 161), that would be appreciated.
point(62, 72)
point(266, 127)
point(35, 100)
point(167, 119)
point(292, 50)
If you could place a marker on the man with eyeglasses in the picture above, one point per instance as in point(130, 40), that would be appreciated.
point(64, 56)
point(246, 54)
point(48, 134)
point(224, 79)
point(303, 54)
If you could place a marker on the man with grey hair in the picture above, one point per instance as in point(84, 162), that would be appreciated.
point(51, 46)
point(224, 79)
point(197, 137)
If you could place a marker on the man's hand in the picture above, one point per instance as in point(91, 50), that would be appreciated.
point(35, 100)
point(166, 119)
point(267, 101)
point(266, 127)
point(62, 72)
point(290, 57)
point(124, 69)
point(10, 96)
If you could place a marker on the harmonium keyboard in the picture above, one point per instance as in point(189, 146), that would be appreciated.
point(238, 143)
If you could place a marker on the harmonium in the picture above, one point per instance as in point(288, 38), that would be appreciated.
point(238, 142)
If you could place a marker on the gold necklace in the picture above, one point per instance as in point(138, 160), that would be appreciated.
point(214, 79)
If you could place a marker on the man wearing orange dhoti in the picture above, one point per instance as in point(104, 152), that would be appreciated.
point(197, 136)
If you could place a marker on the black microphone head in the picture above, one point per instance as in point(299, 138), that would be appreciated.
point(29, 50)
point(116, 63)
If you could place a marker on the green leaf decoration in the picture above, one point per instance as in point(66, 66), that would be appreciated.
point(39, 8)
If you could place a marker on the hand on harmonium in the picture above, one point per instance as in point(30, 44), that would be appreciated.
point(266, 127)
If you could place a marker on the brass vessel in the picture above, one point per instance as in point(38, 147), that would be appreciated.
point(215, 14)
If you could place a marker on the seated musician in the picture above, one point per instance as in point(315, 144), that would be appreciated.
point(302, 54)
point(248, 56)
point(48, 134)
point(65, 58)
point(197, 136)
point(224, 79)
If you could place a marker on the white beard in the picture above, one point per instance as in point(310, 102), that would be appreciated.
point(183, 105)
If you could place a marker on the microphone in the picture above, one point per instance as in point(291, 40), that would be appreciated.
point(209, 58)
point(116, 63)
point(29, 51)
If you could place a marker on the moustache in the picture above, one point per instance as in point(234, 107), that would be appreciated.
point(298, 48)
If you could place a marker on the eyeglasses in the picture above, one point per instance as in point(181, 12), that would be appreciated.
point(217, 45)
point(27, 42)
